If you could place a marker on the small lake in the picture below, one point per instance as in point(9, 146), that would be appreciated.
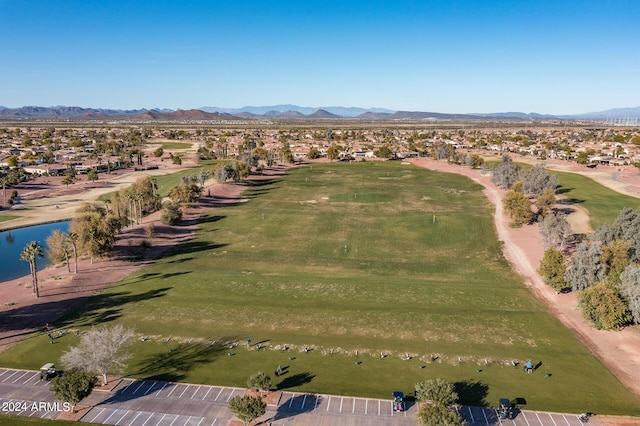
point(13, 242)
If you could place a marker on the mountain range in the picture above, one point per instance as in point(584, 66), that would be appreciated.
point(288, 112)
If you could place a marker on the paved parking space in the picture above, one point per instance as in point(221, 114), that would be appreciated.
point(158, 403)
point(476, 416)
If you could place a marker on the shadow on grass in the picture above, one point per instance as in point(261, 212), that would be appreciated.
point(174, 364)
point(107, 307)
point(193, 247)
point(295, 380)
point(169, 366)
point(299, 404)
point(472, 392)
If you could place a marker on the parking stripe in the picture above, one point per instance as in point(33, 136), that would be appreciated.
point(185, 389)
point(316, 404)
point(366, 405)
point(553, 420)
point(120, 419)
point(303, 401)
point(174, 420)
point(231, 394)
point(163, 386)
point(201, 420)
point(29, 379)
point(9, 377)
point(205, 395)
point(486, 420)
point(175, 386)
point(218, 396)
point(147, 419)
point(378, 407)
point(539, 419)
point(194, 394)
point(165, 414)
point(127, 387)
point(328, 403)
point(214, 422)
point(565, 419)
point(150, 387)
point(107, 419)
point(139, 386)
point(525, 418)
point(471, 414)
point(135, 418)
point(97, 415)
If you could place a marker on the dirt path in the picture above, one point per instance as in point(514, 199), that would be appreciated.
point(619, 351)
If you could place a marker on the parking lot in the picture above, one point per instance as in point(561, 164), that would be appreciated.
point(158, 403)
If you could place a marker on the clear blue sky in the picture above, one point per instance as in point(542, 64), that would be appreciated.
point(547, 56)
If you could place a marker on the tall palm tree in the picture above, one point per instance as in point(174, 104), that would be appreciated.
point(30, 253)
point(72, 238)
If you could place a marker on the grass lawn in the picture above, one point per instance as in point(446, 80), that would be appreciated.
point(346, 258)
point(604, 205)
point(8, 217)
point(171, 145)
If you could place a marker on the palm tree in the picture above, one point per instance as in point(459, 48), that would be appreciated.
point(30, 253)
point(72, 238)
point(4, 181)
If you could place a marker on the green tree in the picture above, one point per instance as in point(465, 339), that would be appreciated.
point(102, 350)
point(629, 289)
point(313, 153)
point(333, 153)
point(247, 408)
point(545, 201)
point(69, 180)
point(602, 305)
point(96, 229)
point(506, 174)
point(585, 267)
point(158, 152)
point(517, 206)
point(13, 161)
point(171, 213)
point(438, 415)
point(73, 386)
point(30, 253)
point(553, 269)
point(57, 250)
point(92, 175)
point(582, 158)
point(259, 381)
point(437, 391)
point(383, 152)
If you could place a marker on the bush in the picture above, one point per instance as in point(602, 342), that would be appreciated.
point(602, 305)
point(259, 381)
point(553, 269)
point(150, 231)
point(171, 213)
point(438, 415)
point(438, 391)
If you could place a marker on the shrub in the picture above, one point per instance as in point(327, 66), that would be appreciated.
point(602, 305)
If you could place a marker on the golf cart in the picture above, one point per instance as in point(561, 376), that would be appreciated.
point(398, 401)
point(48, 371)
point(506, 409)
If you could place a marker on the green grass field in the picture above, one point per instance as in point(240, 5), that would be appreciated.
point(7, 217)
point(369, 257)
point(604, 205)
point(166, 145)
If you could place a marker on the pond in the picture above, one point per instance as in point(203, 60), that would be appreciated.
point(13, 242)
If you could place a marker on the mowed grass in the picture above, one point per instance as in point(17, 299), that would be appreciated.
point(603, 204)
point(171, 145)
point(351, 260)
point(7, 217)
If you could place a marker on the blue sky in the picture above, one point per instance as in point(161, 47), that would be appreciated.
point(556, 57)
